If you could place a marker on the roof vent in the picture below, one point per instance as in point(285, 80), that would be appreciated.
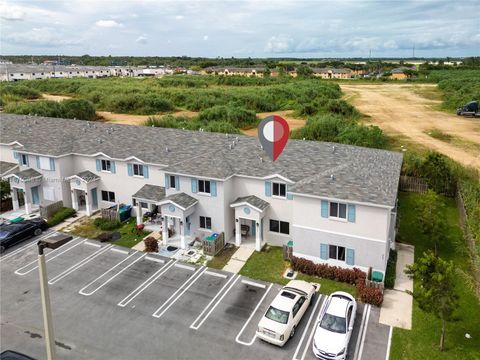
point(332, 177)
point(100, 141)
point(236, 139)
point(303, 139)
point(333, 148)
point(226, 135)
point(230, 146)
point(167, 149)
point(73, 118)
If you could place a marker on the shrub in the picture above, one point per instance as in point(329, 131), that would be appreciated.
point(20, 91)
point(78, 109)
point(236, 116)
point(151, 244)
point(72, 108)
point(106, 224)
point(390, 273)
point(62, 214)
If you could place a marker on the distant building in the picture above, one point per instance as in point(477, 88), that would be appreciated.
point(257, 71)
point(399, 73)
point(330, 73)
point(5, 62)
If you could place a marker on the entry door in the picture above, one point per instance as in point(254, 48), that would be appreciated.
point(35, 197)
point(21, 197)
point(94, 198)
point(187, 225)
point(253, 228)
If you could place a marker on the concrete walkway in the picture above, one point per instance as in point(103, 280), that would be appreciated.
point(238, 259)
point(396, 309)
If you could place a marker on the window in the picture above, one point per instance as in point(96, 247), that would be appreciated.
point(279, 190)
point(106, 165)
point(138, 170)
point(206, 222)
point(143, 205)
point(171, 179)
point(338, 210)
point(281, 227)
point(204, 186)
point(336, 252)
point(108, 196)
point(44, 163)
point(24, 159)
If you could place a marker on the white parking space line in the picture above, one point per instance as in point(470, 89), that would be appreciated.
point(151, 258)
point(83, 290)
point(49, 257)
point(361, 335)
point(185, 267)
point(177, 294)
point(93, 244)
point(389, 344)
point(252, 283)
point(250, 318)
point(29, 245)
point(305, 331)
point(230, 282)
point(120, 251)
point(213, 273)
point(146, 284)
point(78, 265)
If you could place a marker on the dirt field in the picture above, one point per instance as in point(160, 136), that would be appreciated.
point(400, 109)
point(55, 97)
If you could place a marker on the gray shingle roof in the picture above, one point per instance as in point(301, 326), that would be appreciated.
point(88, 176)
point(181, 199)
point(253, 201)
point(6, 167)
point(150, 192)
point(27, 174)
point(361, 174)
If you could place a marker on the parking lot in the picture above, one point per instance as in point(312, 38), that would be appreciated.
point(115, 303)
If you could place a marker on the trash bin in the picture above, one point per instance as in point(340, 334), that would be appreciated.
point(377, 276)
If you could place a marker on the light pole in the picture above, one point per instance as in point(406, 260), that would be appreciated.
point(52, 242)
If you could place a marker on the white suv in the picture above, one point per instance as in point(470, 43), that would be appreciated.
point(335, 326)
point(285, 312)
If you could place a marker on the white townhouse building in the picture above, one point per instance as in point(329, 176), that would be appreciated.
point(335, 203)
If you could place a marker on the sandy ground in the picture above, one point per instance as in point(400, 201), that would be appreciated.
point(399, 110)
point(293, 123)
point(55, 97)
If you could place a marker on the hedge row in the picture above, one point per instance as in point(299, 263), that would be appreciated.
point(353, 276)
point(62, 214)
point(106, 224)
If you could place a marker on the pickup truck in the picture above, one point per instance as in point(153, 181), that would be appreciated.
point(469, 109)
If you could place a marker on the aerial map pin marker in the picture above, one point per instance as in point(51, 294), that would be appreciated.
point(273, 134)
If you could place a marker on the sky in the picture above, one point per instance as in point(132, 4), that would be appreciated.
point(388, 28)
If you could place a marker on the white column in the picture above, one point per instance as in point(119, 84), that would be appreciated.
point(74, 200)
point(258, 241)
point(88, 208)
point(139, 213)
point(238, 234)
point(14, 193)
point(165, 230)
point(28, 200)
point(181, 228)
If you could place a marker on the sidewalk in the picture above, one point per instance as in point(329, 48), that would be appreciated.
point(238, 259)
point(397, 305)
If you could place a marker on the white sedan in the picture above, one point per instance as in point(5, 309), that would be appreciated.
point(285, 312)
point(335, 326)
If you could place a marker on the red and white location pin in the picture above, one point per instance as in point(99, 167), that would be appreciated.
point(273, 135)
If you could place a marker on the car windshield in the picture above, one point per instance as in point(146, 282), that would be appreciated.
point(333, 323)
point(277, 315)
point(4, 234)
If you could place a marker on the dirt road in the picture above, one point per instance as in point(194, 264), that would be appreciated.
point(399, 110)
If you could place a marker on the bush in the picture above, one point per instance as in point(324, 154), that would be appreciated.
point(106, 224)
point(62, 214)
point(78, 109)
point(151, 244)
point(238, 117)
point(72, 108)
point(20, 91)
point(390, 273)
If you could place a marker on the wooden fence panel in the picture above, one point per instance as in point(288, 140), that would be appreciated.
point(413, 184)
point(111, 214)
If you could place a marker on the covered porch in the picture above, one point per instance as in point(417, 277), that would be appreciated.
point(145, 202)
point(26, 191)
point(84, 192)
point(249, 214)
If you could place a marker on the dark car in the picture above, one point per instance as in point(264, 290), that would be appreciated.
point(13, 355)
point(14, 233)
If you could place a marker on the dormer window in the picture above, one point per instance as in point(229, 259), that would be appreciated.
point(279, 190)
point(106, 165)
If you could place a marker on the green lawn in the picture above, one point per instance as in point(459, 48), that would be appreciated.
point(268, 265)
point(220, 260)
point(422, 341)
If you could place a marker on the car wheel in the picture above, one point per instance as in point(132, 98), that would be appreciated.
point(292, 332)
point(37, 232)
point(2, 249)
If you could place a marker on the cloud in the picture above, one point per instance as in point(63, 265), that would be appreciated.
point(205, 37)
point(142, 39)
point(41, 37)
point(108, 23)
point(11, 12)
point(179, 17)
point(279, 44)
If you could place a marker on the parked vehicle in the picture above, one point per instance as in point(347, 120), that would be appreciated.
point(13, 355)
point(14, 233)
point(335, 326)
point(469, 109)
point(285, 312)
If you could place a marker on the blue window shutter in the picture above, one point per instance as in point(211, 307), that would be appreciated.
point(167, 182)
point(15, 155)
point(99, 165)
point(38, 161)
point(351, 213)
point(194, 185)
point(324, 251)
point(145, 171)
point(130, 169)
point(213, 188)
point(52, 164)
point(350, 257)
point(112, 166)
point(268, 188)
point(177, 183)
point(324, 208)
point(289, 195)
